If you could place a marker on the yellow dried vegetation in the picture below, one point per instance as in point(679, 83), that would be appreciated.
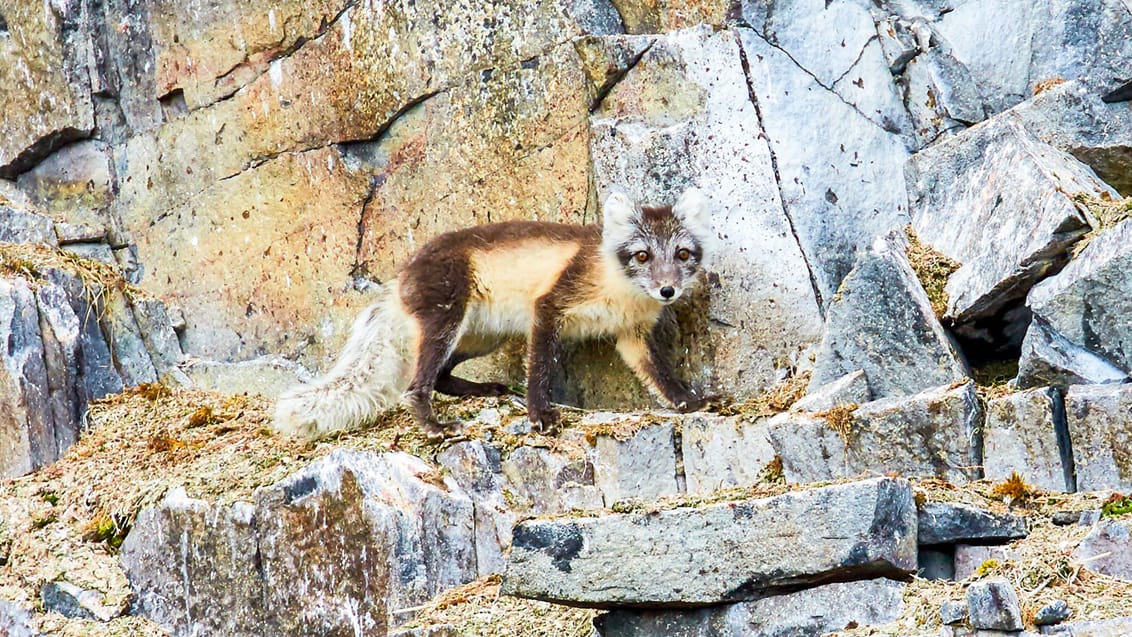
point(932, 268)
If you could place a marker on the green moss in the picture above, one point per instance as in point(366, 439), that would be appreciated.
point(1117, 505)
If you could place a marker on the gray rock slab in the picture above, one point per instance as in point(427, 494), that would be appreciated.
point(1073, 117)
point(1021, 435)
point(949, 523)
point(683, 116)
point(1107, 549)
point(26, 431)
point(1048, 358)
point(23, 226)
point(1119, 627)
point(95, 251)
point(16, 621)
point(723, 451)
point(852, 388)
point(267, 376)
point(124, 335)
point(882, 322)
point(476, 468)
point(1099, 418)
point(940, 93)
point(340, 545)
point(992, 604)
point(934, 433)
point(718, 553)
point(643, 466)
point(969, 557)
point(998, 200)
point(952, 612)
point(807, 613)
point(1052, 613)
point(1089, 303)
point(839, 157)
point(76, 602)
point(540, 482)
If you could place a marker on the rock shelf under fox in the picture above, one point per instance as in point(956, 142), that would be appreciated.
point(465, 292)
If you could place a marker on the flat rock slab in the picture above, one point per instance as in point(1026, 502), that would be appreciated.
point(993, 605)
point(934, 433)
point(1108, 548)
point(999, 201)
point(1099, 418)
point(806, 613)
point(719, 553)
point(948, 523)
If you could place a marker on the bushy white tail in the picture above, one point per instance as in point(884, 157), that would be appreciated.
point(369, 377)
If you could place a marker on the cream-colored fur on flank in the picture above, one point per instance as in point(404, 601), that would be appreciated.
point(372, 372)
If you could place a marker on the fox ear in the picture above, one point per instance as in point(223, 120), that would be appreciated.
point(692, 208)
point(618, 212)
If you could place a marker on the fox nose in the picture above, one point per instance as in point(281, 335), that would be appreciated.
point(667, 291)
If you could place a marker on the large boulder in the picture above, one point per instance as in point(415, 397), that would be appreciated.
point(1107, 549)
point(336, 547)
point(718, 553)
point(1087, 309)
point(881, 321)
point(681, 116)
point(934, 433)
point(1001, 203)
point(1099, 418)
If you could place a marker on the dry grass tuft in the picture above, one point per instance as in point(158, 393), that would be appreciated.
point(932, 268)
point(840, 418)
point(1042, 86)
point(478, 610)
point(1108, 212)
point(780, 397)
point(1014, 489)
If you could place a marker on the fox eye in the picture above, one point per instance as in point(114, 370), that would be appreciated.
point(683, 254)
point(641, 256)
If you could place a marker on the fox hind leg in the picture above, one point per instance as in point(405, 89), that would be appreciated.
point(438, 339)
point(452, 385)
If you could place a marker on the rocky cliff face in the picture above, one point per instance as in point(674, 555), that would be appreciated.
point(915, 201)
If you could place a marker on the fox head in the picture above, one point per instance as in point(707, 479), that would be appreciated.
point(661, 250)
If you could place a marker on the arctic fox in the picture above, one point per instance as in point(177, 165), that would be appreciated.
point(466, 291)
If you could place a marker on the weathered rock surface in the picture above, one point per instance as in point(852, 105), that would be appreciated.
point(952, 612)
point(1100, 429)
point(1103, 628)
point(1049, 358)
point(681, 116)
point(1000, 202)
point(948, 523)
point(642, 466)
point(806, 613)
point(18, 225)
point(840, 182)
point(1072, 117)
point(16, 621)
point(364, 534)
point(852, 388)
point(969, 557)
point(1089, 304)
point(718, 553)
point(992, 604)
point(934, 433)
point(721, 452)
point(1055, 612)
point(545, 483)
point(45, 68)
point(1108, 548)
point(476, 468)
point(267, 376)
point(882, 322)
point(1024, 433)
point(73, 601)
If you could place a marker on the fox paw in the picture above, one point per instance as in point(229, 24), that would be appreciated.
point(545, 420)
point(436, 432)
point(697, 404)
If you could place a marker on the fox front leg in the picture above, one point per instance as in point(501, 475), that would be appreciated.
point(542, 358)
point(642, 353)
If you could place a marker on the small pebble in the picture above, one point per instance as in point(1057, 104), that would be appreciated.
point(1066, 518)
point(1052, 613)
point(953, 612)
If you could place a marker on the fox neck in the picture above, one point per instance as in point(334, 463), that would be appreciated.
point(637, 307)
